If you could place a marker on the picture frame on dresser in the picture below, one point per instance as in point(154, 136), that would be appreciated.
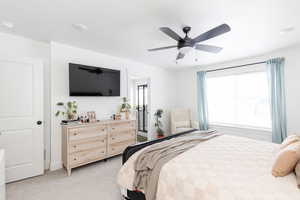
point(90, 142)
point(92, 116)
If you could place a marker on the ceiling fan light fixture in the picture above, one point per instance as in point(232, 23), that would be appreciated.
point(185, 50)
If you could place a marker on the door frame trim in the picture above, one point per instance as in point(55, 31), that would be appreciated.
point(139, 80)
point(143, 85)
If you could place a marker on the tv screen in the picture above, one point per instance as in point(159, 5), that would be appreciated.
point(93, 81)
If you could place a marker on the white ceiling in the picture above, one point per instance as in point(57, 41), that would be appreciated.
point(128, 28)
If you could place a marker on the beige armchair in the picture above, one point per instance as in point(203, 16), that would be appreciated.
point(181, 121)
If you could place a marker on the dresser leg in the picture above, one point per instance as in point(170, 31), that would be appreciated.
point(69, 172)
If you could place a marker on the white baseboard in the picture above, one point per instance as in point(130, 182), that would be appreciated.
point(55, 165)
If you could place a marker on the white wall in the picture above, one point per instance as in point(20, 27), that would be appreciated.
point(16, 47)
point(161, 88)
point(168, 89)
point(187, 93)
point(56, 56)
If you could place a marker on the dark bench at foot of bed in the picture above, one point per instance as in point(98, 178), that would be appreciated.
point(129, 151)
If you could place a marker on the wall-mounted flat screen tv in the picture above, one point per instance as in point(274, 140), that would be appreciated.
point(93, 81)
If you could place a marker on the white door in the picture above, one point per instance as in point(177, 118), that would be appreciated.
point(21, 117)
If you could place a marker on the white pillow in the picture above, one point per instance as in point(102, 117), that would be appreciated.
point(289, 140)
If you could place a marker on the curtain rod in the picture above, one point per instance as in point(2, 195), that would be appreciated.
point(225, 68)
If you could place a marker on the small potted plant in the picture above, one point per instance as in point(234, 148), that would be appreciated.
point(125, 107)
point(158, 123)
point(69, 110)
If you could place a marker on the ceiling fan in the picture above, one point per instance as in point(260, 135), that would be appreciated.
point(184, 45)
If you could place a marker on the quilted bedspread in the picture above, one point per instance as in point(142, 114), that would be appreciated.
point(224, 168)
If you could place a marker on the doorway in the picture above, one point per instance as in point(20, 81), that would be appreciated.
point(142, 108)
point(139, 96)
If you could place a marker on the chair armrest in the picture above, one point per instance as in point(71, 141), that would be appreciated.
point(195, 124)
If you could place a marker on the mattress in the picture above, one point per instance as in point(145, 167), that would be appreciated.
point(226, 167)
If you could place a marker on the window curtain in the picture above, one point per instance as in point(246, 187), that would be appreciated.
point(202, 100)
point(275, 69)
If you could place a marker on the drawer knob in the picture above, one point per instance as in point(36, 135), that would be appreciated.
point(112, 138)
point(103, 129)
point(102, 151)
point(103, 141)
point(75, 133)
point(75, 146)
point(75, 158)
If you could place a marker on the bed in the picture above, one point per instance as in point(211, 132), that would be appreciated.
point(225, 167)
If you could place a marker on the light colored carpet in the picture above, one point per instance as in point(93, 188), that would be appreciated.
point(92, 182)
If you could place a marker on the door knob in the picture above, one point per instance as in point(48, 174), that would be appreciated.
point(39, 122)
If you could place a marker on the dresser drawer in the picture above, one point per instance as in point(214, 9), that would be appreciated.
point(83, 133)
point(121, 136)
point(76, 159)
point(92, 143)
point(118, 148)
point(121, 127)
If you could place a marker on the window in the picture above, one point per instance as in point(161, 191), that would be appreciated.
point(240, 99)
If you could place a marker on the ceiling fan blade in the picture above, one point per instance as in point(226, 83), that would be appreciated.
point(170, 33)
point(162, 48)
point(179, 56)
point(208, 48)
point(219, 30)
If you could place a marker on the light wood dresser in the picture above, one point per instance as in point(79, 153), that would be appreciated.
point(86, 143)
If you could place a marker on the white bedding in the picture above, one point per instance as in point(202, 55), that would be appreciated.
point(226, 167)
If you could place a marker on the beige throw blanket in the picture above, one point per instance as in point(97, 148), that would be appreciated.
point(149, 163)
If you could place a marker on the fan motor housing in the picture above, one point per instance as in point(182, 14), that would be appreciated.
point(186, 41)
